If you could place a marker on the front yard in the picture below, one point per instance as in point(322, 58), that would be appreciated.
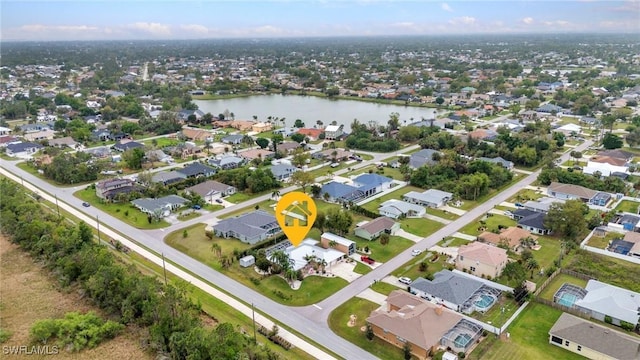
point(125, 211)
point(489, 223)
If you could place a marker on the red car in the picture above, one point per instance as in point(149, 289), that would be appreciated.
point(367, 259)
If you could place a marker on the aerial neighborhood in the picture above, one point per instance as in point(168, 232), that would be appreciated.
point(491, 207)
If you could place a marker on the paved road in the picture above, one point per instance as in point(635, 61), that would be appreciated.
point(310, 321)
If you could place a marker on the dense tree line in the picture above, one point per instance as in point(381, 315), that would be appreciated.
point(610, 184)
point(72, 168)
point(244, 179)
point(70, 252)
point(367, 138)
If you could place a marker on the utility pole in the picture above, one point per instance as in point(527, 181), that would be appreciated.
point(98, 222)
point(164, 269)
point(57, 206)
point(253, 315)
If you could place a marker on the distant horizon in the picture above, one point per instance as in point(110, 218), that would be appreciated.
point(74, 20)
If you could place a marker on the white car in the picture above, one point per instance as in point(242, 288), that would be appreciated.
point(416, 252)
point(405, 280)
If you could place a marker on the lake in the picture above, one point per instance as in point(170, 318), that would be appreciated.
point(312, 108)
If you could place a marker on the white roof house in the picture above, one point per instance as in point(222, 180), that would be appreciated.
point(396, 208)
point(604, 299)
point(309, 247)
point(431, 198)
point(569, 128)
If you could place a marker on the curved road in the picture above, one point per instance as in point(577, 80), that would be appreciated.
point(310, 321)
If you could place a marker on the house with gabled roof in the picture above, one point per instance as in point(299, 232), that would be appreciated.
point(511, 237)
point(167, 177)
point(432, 198)
point(606, 165)
point(249, 228)
point(160, 207)
point(252, 154)
point(371, 184)
point(331, 240)
point(481, 259)
point(377, 227)
point(499, 161)
point(124, 146)
point(592, 340)
point(109, 189)
point(233, 139)
point(23, 149)
point(283, 172)
point(211, 190)
point(423, 157)
point(532, 221)
point(570, 191)
point(197, 170)
point(604, 300)
point(227, 162)
point(397, 208)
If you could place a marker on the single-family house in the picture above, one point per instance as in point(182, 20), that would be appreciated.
point(541, 205)
point(196, 169)
point(23, 150)
point(570, 191)
point(197, 134)
point(8, 139)
point(109, 189)
point(532, 221)
point(211, 190)
point(500, 161)
point(233, 139)
point(333, 132)
point(183, 115)
point(592, 340)
point(606, 165)
point(397, 208)
point(339, 192)
point(432, 198)
point(344, 245)
point(483, 134)
point(338, 154)
point(167, 177)
point(5, 130)
point(101, 135)
point(617, 154)
point(128, 145)
point(227, 162)
point(312, 134)
point(63, 141)
point(407, 319)
point(423, 157)
point(44, 134)
point(625, 221)
point(249, 228)
point(511, 237)
point(158, 155)
point(160, 207)
point(308, 250)
point(634, 239)
point(481, 259)
point(282, 172)
point(287, 147)
point(377, 227)
point(570, 129)
point(550, 108)
point(604, 300)
point(261, 154)
point(371, 184)
point(261, 127)
point(457, 292)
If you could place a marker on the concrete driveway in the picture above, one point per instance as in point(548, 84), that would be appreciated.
point(344, 270)
point(374, 296)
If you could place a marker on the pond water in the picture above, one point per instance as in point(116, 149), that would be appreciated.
point(310, 109)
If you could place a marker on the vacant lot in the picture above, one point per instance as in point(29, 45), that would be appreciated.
point(29, 294)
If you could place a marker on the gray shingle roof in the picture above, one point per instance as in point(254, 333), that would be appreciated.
point(448, 286)
point(249, 225)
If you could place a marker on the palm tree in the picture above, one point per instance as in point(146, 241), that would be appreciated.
point(207, 145)
point(226, 261)
point(290, 275)
point(333, 244)
point(216, 249)
point(532, 265)
point(281, 258)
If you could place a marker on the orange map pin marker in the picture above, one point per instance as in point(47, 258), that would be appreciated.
point(296, 212)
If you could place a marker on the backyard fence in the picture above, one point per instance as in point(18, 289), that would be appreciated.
point(611, 254)
point(561, 271)
point(567, 309)
point(546, 282)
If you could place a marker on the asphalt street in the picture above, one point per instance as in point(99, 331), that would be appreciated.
point(310, 321)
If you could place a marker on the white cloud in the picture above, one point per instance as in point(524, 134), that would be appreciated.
point(464, 20)
point(446, 7)
point(528, 20)
point(195, 28)
point(155, 29)
point(63, 28)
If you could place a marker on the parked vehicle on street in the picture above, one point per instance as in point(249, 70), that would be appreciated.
point(86, 204)
point(416, 252)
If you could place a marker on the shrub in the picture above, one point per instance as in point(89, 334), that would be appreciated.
point(608, 319)
point(76, 330)
point(461, 355)
point(185, 234)
point(255, 281)
point(627, 326)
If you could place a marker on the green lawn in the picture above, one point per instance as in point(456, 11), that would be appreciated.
point(361, 269)
point(326, 170)
point(33, 171)
point(496, 316)
point(525, 195)
point(603, 242)
point(385, 171)
point(628, 206)
point(162, 142)
point(529, 338)
point(491, 224)
point(453, 242)
point(198, 246)
point(411, 269)
point(606, 269)
point(442, 214)
point(555, 284)
point(383, 253)
point(242, 196)
point(419, 226)
point(385, 288)
point(125, 212)
point(361, 308)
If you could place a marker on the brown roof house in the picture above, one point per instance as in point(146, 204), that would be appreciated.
point(592, 340)
point(377, 227)
point(425, 326)
point(481, 259)
point(211, 190)
point(511, 236)
point(196, 134)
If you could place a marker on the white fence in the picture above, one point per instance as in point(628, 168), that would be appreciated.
point(583, 245)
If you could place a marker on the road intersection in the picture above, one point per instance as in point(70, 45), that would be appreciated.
point(310, 321)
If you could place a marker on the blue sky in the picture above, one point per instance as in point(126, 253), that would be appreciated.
point(172, 19)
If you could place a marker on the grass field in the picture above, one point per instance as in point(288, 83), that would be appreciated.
point(420, 226)
point(385, 171)
point(198, 244)
point(29, 294)
point(628, 206)
point(361, 308)
point(491, 224)
point(528, 340)
point(411, 269)
point(125, 212)
point(606, 269)
point(603, 242)
point(385, 288)
point(525, 195)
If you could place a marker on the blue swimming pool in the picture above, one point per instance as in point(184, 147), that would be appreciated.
point(484, 302)
point(567, 299)
point(462, 340)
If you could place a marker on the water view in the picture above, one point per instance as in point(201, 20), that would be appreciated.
point(310, 109)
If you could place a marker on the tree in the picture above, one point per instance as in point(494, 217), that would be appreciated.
point(338, 221)
point(612, 141)
point(520, 293)
point(133, 158)
point(216, 249)
point(275, 194)
point(394, 121)
point(576, 155)
point(633, 138)
point(262, 142)
point(276, 139)
point(369, 332)
point(303, 179)
point(300, 157)
point(321, 221)
point(439, 100)
point(409, 133)
point(567, 220)
point(514, 271)
point(531, 264)
point(298, 123)
point(406, 350)
point(247, 140)
point(297, 137)
point(384, 239)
